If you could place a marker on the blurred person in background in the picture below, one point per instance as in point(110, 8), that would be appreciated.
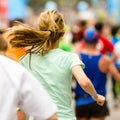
point(15, 13)
point(97, 67)
point(114, 31)
point(12, 23)
point(117, 50)
point(52, 66)
point(3, 46)
point(16, 53)
point(78, 31)
point(104, 45)
point(65, 42)
point(115, 85)
point(106, 30)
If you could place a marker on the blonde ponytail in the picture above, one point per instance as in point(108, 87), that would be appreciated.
point(51, 28)
point(23, 35)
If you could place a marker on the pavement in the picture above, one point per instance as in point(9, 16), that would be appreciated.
point(114, 112)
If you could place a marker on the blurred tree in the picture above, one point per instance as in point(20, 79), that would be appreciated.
point(36, 4)
point(39, 4)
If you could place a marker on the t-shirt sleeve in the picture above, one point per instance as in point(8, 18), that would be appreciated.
point(75, 60)
point(110, 46)
point(24, 61)
point(21, 61)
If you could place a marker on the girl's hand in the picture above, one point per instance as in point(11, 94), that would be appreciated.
point(100, 99)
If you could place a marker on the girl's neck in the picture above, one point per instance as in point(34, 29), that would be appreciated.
point(56, 45)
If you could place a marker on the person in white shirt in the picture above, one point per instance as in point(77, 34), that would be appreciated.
point(19, 88)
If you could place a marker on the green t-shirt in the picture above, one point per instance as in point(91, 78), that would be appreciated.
point(53, 70)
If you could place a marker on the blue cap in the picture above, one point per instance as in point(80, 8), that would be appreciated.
point(90, 35)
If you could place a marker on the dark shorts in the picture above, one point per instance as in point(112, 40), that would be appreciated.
point(92, 110)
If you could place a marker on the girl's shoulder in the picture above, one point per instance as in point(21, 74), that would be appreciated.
point(68, 54)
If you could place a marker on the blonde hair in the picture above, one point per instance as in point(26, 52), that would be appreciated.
point(41, 40)
point(3, 44)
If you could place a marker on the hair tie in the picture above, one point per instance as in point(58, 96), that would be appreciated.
point(52, 33)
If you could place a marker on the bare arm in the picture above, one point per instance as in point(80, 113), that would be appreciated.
point(106, 65)
point(21, 115)
point(113, 71)
point(83, 80)
point(114, 56)
point(86, 84)
point(53, 117)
